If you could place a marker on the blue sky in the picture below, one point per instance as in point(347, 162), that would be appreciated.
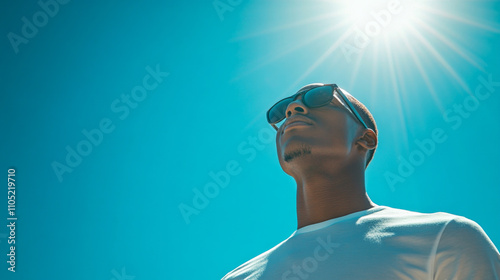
point(138, 131)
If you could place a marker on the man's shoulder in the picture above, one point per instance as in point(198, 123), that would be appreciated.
point(252, 268)
point(248, 270)
point(401, 217)
point(466, 233)
point(448, 230)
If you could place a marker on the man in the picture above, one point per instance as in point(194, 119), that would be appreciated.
point(327, 140)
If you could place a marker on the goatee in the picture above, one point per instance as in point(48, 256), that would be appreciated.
point(301, 151)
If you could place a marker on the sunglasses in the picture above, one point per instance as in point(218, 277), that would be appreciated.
point(313, 98)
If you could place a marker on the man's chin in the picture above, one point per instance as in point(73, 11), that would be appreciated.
point(294, 153)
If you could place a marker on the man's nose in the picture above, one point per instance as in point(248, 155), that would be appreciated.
point(296, 107)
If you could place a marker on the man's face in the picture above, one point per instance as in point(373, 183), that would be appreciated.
point(328, 131)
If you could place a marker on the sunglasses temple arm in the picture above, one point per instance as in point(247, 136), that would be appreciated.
point(351, 107)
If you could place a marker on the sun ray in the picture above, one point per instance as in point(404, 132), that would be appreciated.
point(459, 19)
point(294, 47)
point(320, 60)
point(395, 89)
point(422, 72)
point(403, 101)
point(451, 45)
point(441, 60)
point(402, 87)
point(288, 26)
point(375, 68)
point(354, 73)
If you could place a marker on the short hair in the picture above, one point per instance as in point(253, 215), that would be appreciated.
point(367, 117)
point(362, 110)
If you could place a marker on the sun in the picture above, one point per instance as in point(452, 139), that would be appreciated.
point(415, 36)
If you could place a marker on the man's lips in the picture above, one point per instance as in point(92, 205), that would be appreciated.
point(296, 121)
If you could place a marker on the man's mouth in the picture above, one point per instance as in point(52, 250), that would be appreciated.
point(296, 123)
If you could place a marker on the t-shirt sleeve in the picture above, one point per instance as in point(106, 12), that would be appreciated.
point(464, 251)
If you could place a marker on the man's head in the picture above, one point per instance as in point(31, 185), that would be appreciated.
point(327, 123)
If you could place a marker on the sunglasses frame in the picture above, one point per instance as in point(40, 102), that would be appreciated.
point(335, 88)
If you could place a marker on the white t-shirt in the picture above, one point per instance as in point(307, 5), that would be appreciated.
point(380, 243)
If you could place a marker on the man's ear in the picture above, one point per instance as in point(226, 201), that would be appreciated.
point(368, 140)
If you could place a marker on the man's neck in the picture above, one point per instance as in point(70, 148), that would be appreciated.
point(323, 196)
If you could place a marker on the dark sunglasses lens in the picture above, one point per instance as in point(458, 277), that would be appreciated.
point(319, 96)
point(278, 111)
